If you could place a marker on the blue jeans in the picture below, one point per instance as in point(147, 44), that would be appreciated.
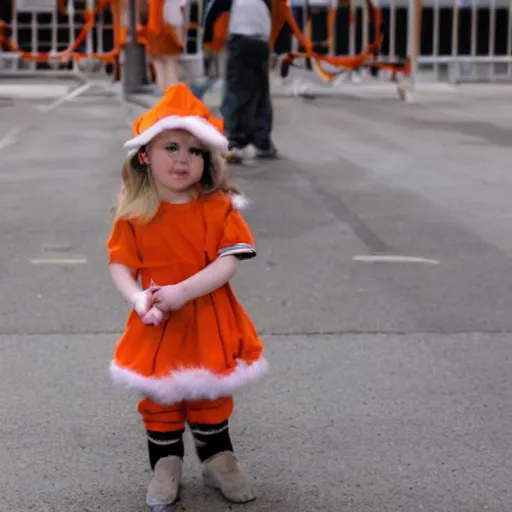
point(246, 103)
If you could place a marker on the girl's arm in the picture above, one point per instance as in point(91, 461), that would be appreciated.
point(215, 275)
point(122, 277)
point(175, 296)
point(141, 300)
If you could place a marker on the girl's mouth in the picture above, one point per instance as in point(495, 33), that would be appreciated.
point(180, 174)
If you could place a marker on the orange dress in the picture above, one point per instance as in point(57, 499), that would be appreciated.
point(155, 33)
point(161, 37)
point(210, 347)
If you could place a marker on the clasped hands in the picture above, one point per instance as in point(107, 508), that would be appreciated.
point(156, 302)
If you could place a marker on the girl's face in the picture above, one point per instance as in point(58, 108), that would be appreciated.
point(177, 164)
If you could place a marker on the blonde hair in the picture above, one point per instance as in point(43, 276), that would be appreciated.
point(138, 197)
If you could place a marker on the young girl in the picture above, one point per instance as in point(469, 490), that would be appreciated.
point(188, 344)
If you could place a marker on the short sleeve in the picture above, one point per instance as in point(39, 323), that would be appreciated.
point(236, 238)
point(122, 245)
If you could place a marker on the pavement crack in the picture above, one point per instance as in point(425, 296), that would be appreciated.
point(341, 211)
point(361, 229)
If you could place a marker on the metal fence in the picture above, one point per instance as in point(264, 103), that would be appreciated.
point(454, 40)
point(57, 37)
point(478, 41)
point(68, 37)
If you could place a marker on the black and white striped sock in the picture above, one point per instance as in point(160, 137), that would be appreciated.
point(164, 444)
point(211, 439)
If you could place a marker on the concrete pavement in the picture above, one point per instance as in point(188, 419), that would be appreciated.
point(390, 383)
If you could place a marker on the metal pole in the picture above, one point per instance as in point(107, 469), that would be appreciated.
point(132, 19)
point(134, 69)
point(414, 38)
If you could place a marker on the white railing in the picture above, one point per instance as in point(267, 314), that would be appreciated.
point(41, 34)
point(479, 45)
point(454, 40)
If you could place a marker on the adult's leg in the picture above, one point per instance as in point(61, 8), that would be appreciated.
point(159, 67)
point(172, 63)
point(238, 96)
point(172, 60)
point(263, 115)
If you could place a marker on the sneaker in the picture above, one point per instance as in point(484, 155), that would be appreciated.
point(235, 155)
point(270, 152)
point(223, 472)
point(245, 154)
point(164, 486)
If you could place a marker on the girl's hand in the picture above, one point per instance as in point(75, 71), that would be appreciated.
point(168, 298)
point(153, 317)
point(142, 302)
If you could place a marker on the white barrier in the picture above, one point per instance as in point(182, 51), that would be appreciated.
point(480, 48)
point(39, 27)
point(192, 62)
point(448, 40)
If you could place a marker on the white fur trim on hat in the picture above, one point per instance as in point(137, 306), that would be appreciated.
point(197, 126)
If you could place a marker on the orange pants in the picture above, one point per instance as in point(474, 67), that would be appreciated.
point(170, 418)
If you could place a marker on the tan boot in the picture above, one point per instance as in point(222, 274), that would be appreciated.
point(223, 472)
point(164, 487)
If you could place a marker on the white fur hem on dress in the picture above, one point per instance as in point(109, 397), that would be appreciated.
point(189, 384)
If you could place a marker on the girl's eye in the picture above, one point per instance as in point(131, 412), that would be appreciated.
point(195, 151)
point(172, 148)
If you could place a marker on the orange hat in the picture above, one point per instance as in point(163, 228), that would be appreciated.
point(179, 109)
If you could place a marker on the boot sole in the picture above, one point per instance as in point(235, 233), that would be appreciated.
point(163, 507)
point(208, 482)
